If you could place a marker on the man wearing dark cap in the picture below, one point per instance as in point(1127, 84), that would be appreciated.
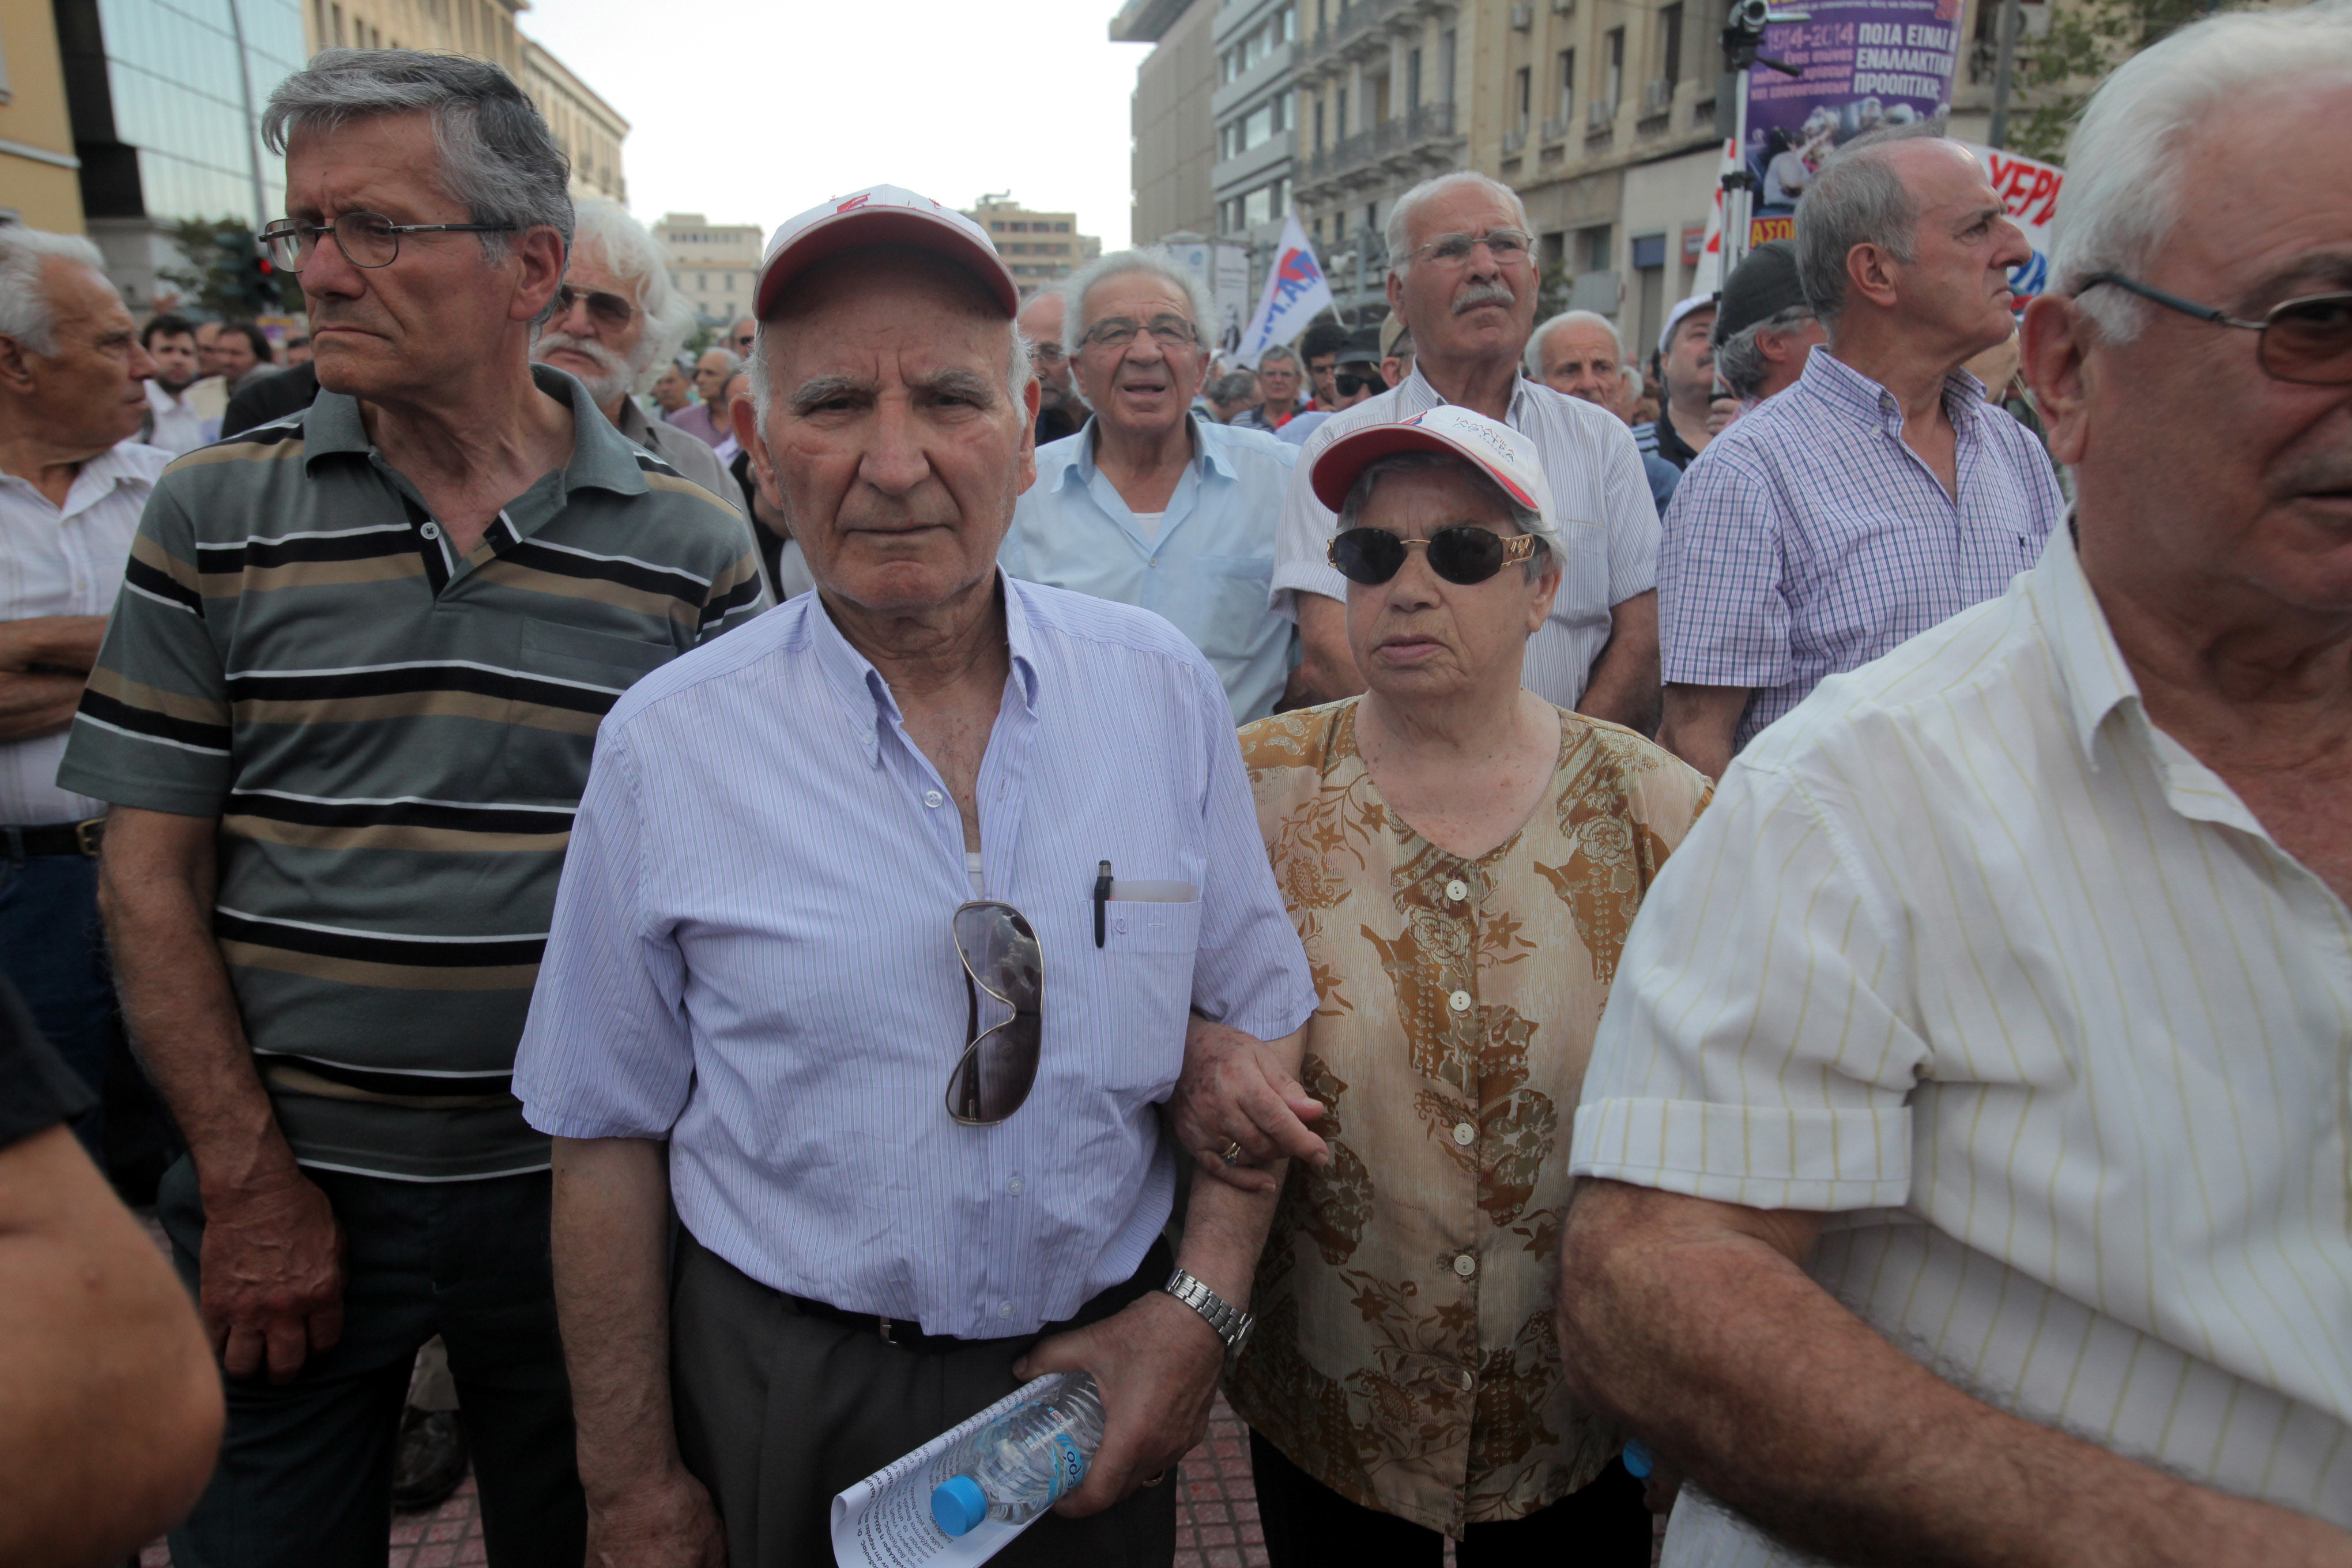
point(1765, 327)
point(876, 952)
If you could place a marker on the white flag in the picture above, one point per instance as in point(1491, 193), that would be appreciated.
point(1708, 277)
point(1296, 293)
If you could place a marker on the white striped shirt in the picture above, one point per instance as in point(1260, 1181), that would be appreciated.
point(1970, 956)
point(752, 957)
point(1598, 488)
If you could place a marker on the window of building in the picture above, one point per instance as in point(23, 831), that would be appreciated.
point(1342, 131)
point(1670, 34)
point(1567, 86)
point(1322, 17)
point(1525, 96)
point(1613, 83)
point(1411, 80)
point(1445, 65)
point(337, 12)
point(1319, 125)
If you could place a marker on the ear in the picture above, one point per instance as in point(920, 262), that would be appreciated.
point(1546, 589)
point(1030, 393)
point(2055, 342)
point(1396, 300)
point(754, 440)
point(1872, 272)
point(539, 254)
point(17, 368)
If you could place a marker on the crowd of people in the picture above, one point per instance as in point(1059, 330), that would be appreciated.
point(667, 928)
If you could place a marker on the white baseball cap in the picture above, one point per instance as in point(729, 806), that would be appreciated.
point(1675, 317)
point(1499, 452)
point(881, 214)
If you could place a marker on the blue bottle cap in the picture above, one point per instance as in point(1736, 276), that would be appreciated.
point(959, 1505)
point(1638, 1463)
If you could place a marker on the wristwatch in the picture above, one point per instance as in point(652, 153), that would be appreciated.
point(1232, 1324)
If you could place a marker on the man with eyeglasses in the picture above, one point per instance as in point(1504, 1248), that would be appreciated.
point(1150, 504)
point(343, 712)
point(616, 316)
point(1060, 409)
point(1880, 493)
point(1963, 1149)
point(878, 946)
point(1278, 382)
point(740, 336)
point(1463, 282)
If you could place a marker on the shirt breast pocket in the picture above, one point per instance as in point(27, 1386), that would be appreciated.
point(1232, 590)
point(1145, 965)
point(567, 679)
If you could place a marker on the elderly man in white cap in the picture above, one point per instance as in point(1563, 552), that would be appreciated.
point(1685, 363)
point(877, 948)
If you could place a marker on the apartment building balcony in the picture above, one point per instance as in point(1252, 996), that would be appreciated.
point(1362, 32)
point(1405, 144)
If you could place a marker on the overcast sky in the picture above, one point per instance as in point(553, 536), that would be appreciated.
point(751, 111)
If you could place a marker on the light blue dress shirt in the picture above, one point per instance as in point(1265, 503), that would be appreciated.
point(752, 957)
point(1208, 567)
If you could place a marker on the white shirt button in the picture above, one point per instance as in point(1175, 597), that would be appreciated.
point(1465, 1134)
point(1459, 1001)
point(934, 799)
point(1457, 891)
point(1469, 1380)
point(1014, 1186)
point(430, 531)
point(1119, 925)
point(1004, 1308)
point(1465, 1265)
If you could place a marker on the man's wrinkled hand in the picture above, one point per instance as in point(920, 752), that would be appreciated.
point(1155, 1364)
point(665, 1523)
point(1234, 1092)
point(270, 1278)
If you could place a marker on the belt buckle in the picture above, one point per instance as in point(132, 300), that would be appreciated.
point(87, 835)
point(883, 1325)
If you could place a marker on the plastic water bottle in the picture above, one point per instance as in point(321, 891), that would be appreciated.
point(1018, 1464)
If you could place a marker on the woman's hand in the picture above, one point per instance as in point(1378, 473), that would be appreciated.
point(1236, 1096)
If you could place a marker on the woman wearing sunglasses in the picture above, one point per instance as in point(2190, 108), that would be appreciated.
point(1462, 859)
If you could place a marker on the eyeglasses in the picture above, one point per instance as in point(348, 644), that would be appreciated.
point(2307, 341)
point(1505, 244)
point(1460, 552)
point(1348, 383)
point(1047, 353)
point(745, 342)
point(1000, 954)
point(366, 239)
point(604, 309)
point(1168, 332)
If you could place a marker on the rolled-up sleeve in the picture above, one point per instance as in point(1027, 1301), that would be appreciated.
point(1249, 971)
point(606, 1052)
point(1756, 1048)
point(1722, 606)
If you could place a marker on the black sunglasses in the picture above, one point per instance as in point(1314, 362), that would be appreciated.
point(1000, 954)
point(1348, 383)
point(2307, 341)
point(1460, 552)
point(604, 309)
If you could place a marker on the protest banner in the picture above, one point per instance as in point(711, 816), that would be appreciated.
point(1295, 293)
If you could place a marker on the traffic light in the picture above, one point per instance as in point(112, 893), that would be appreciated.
point(262, 288)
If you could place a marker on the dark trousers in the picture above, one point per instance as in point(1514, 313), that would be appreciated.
point(1602, 1526)
point(305, 1474)
point(52, 949)
point(777, 1411)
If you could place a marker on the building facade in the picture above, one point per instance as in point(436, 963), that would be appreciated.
point(165, 105)
point(1256, 112)
point(715, 265)
point(40, 182)
point(1175, 136)
point(1039, 248)
point(585, 126)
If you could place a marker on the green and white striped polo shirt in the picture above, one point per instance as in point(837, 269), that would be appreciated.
point(393, 737)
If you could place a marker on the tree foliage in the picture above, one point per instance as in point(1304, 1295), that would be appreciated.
point(2057, 72)
point(220, 279)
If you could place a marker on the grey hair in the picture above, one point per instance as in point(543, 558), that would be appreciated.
point(1740, 362)
point(2123, 166)
point(734, 361)
point(26, 313)
point(1281, 351)
point(1153, 261)
point(1569, 319)
point(1016, 369)
point(1399, 228)
point(1525, 518)
point(631, 253)
point(1856, 199)
point(498, 160)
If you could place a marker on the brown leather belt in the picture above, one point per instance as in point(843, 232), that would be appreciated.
point(56, 838)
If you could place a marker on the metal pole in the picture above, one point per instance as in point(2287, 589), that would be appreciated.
point(252, 126)
point(1739, 195)
point(1997, 134)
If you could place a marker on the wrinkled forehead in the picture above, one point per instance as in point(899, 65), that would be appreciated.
point(1581, 340)
point(1136, 297)
point(855, 311)
point(1463, 209)
point(589, 269)
point(1436, 488)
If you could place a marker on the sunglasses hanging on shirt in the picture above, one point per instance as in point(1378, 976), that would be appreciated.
point(1000, 954)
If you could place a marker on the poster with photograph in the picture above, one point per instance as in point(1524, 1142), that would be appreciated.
point(1867, 64)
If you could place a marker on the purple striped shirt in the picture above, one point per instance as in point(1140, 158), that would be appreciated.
point(1807, 539)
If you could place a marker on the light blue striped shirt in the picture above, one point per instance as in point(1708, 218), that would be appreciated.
point(751, 957)
point(1205, 568)
point(1808, 540)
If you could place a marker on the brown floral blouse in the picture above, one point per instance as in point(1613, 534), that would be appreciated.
point(1404, 1354)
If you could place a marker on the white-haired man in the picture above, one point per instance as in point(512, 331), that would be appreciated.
point(1579, 354)
point(1963, 1145)
point(707, 419)
point(1462, 279)
point(895, 1202)
point(1879, 494)
point(343, 712)
point(617, 317)
point(1684, 362)
point(1149, 503)
point(73, 480)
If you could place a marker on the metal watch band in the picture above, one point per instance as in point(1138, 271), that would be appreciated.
point(1232, 1324)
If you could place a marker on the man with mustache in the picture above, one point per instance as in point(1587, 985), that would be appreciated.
point(616, 316)
point(1878, 495)
point(343, 712)
point(1463, 281)
point(1149, 503)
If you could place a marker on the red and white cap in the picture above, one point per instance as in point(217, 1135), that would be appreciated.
point(1496, 450)
point(881, 214)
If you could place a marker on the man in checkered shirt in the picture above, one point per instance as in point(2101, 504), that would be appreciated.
point(1879, 495)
